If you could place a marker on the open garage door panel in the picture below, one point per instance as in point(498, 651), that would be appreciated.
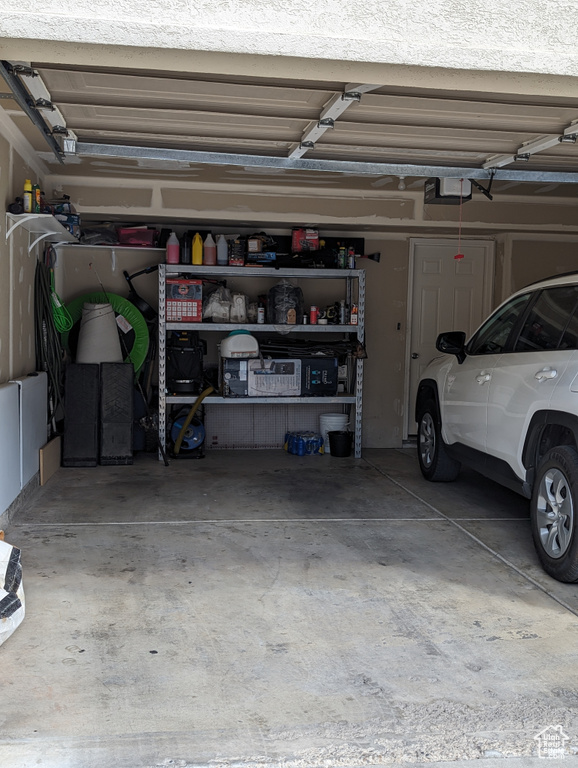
point(366, 135)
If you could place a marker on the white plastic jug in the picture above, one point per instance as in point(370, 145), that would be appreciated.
point(222, 251)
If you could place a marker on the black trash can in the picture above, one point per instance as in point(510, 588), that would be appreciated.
point(340, 443)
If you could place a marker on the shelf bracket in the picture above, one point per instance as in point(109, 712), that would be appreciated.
point(41, 236)
point(18, 224)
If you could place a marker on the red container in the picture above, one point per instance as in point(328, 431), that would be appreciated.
point(145, 238)
point(304, 239)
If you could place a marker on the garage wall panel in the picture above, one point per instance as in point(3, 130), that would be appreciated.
point(299, 207)
point(385, 329)
point(9, 445)
point(510, 215)
point(536, 259)
point(260, 426)
point(117, 195)
point(32, 392)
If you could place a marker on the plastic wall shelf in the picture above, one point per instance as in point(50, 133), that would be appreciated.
point(40, 226)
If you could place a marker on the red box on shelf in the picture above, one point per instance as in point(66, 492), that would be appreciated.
point(184, 300)
point(304, 239)
point(137, 236)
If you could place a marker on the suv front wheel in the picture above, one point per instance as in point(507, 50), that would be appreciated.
point(553, 513)
point(434, 462)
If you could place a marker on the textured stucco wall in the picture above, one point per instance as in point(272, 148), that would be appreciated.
point(520, 36)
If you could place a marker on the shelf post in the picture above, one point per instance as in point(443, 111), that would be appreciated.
point(162, 355)
point(359, 362)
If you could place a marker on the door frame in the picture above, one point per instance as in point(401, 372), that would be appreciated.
point(487, 295)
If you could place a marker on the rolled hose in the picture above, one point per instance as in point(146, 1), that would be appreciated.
point(190, 416)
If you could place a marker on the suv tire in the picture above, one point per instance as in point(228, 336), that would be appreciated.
point(434, 462)
point(554, 510)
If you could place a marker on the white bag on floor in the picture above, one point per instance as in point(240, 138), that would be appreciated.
point(11, 590)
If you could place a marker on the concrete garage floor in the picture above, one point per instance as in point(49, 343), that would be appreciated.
point(260, 609)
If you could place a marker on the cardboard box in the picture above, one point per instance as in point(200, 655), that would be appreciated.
point(253, 377)
point(304, 240)
point(184, 300)
point(265, 257)
point(319, 376)
point(274, 378)
point(234, 377)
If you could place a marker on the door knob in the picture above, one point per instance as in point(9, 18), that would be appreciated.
point(414, 355)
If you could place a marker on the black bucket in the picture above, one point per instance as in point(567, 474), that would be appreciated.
point(340, 443)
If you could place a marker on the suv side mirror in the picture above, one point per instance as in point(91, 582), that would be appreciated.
point(452, 343)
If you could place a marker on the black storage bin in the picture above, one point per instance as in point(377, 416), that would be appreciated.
point(116, 413)
point(81, 396)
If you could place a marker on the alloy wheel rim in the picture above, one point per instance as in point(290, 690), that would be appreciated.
point(427, 440)
point(555, 513)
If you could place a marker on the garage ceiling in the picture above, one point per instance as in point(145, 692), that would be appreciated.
point(269, 118)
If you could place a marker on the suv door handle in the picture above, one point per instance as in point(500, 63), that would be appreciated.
point(483, 377)
point(546, 373)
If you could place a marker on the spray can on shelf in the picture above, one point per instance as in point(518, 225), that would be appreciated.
point(173, 249)
point(27, 201)
point(313, 315)
point(197, 249)
point(210, 251)
point(35, 198)
point(354, 314)
point(260, 314)
point(222, 251)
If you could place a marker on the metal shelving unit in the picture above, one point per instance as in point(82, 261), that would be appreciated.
point(350, 276)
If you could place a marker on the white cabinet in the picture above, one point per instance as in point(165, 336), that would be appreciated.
point(354, 284)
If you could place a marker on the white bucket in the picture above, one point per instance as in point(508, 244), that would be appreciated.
point(98, 340)
point(331, 422)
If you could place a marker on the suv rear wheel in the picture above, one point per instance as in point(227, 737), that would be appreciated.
point(553, 513)
point(434, 462)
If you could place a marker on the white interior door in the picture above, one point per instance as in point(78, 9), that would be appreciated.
point(445, 294)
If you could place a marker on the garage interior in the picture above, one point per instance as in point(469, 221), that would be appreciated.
point(258, 608)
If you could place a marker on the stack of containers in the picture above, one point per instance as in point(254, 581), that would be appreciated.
point(331, 422)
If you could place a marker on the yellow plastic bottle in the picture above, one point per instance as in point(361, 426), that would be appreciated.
point(27, 201)
point(197, 249)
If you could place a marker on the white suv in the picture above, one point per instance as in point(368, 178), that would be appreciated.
point(506, 404)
